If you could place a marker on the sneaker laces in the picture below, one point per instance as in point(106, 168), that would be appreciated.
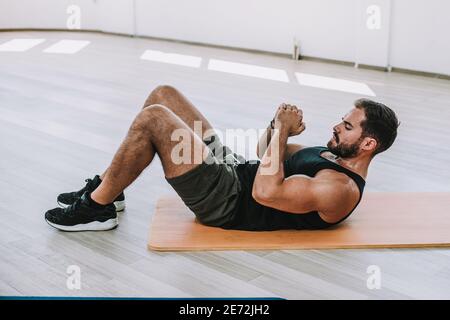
point(89, 183)
point(70, 210)
point(89, 186)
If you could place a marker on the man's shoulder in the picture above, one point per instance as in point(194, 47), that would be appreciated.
point(339, 192)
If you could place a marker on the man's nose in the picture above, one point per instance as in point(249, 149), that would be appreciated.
point(336, 128)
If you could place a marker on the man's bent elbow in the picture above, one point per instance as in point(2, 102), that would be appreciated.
point(263, 195)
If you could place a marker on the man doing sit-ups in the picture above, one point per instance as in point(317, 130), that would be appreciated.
point(291, 187)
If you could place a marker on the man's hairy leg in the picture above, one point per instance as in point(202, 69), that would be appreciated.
point(175, 101)
point(149, 134)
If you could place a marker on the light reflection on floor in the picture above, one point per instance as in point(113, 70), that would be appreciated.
point(19, 45)
point(172, 58)
point(248, 70)
point(316, 81)
point(243, 69)
point(67, 46)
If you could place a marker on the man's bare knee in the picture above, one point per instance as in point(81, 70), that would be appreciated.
point(156, 110)
point(151, 117)
point(160, 94)
point(165, 90)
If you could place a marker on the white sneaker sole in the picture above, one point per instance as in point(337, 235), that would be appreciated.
point(91, 226)
point(120, 205)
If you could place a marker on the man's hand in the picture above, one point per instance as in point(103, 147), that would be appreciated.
point(290, 118)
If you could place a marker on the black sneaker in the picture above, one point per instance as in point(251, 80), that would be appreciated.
point(66, 199)
point(83, 215)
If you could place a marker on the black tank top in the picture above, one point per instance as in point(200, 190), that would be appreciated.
point(250, 215)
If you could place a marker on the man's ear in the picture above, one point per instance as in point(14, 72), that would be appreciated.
point(369, 144)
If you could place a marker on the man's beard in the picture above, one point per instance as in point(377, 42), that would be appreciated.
point(344, 150)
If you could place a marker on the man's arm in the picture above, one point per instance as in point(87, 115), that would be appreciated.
point(270, 173)
point(334, 198)
point(263, 142)
point(265, 139)
point(331, 196)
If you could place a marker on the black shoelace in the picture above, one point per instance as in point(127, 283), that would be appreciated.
point(89, 186)
point(70, 210)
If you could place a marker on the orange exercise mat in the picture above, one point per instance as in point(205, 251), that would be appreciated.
point(382, 220)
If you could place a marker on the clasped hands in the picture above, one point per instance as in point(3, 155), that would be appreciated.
point(289, 117)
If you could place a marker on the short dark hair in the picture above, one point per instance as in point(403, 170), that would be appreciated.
point(381, 123)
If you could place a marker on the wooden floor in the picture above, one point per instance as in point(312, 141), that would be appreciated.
point(63, 116)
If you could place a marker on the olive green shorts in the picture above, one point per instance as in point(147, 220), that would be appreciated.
point(211, 189)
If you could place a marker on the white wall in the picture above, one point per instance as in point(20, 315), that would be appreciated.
point(116, 16)
point(412, 33)
point(105, 15)
point(324, 27)
point(46, 14)
point(372, 32)
point(420, 35)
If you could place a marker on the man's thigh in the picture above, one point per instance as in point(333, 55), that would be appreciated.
point(206, 185)
point(178, 147)
point(210, 190)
